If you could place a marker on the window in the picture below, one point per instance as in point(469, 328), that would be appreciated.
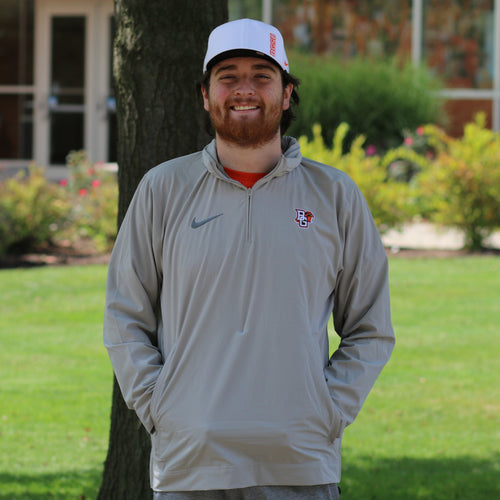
point(458, 41)
point(16, 42)
point(16, 126)
point(16, 79)
point(347, 28)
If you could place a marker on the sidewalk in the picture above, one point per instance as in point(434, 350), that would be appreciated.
point(426, 236)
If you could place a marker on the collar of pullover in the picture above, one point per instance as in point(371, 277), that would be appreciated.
point(290, 159)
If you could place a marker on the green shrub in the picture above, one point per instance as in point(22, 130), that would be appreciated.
point(391, 202)
point(378, 99)
point(461, 186)
point(32, 211)
point(93, 194)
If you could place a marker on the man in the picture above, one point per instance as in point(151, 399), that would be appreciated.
point(224, 275)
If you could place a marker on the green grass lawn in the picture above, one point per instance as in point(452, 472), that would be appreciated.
point(55, 383)
point(430, 429)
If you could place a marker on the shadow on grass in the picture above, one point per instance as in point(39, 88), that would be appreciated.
point(366, 478)
point(65, 485)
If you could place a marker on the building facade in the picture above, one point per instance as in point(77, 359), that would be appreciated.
point(55, 81)
point(458, 40)
point(55, 61)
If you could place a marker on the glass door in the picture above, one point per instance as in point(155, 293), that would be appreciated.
point(66, 101)
point(74, 108)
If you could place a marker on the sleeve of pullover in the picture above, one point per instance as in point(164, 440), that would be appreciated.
point(131, 312)
point(361, 311)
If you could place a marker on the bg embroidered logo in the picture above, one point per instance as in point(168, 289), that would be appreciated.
point(272, 46)
point(304, 217)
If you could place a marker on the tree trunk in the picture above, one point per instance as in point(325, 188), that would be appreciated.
point(158, 56)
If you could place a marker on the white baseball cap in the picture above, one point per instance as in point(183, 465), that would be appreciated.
point(247, 35)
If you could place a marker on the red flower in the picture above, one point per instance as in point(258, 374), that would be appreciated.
point(420, 131)
point(82, 192)
point(96, 183)
point(409, 141)
point(63, 182)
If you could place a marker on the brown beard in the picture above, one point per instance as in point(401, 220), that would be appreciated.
point(250, 133)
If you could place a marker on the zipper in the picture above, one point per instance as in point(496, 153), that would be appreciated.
point(248, 229)
point(249, 215)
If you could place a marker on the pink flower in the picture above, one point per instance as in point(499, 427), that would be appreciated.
point(63, 182)
point(90, 172)
point(96, 183)
point(370, 150)
point(82, 192)
point(409, 141)
point(420, 131)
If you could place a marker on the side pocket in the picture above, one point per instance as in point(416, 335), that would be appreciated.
point(153, 404)
point(160, 386)
point(331, 415)
point(337, 423)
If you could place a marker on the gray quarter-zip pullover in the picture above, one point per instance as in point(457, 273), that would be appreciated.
point(218, 299)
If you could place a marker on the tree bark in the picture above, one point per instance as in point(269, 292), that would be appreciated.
point(158, 56)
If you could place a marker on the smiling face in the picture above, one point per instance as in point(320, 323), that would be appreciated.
point(245, 100)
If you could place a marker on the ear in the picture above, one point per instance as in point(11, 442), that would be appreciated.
point(205, 98)
point(287, 93)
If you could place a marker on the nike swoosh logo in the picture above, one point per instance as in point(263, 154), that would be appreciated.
point(195, 224)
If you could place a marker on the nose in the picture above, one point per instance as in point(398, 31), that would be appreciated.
point(244, 88)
